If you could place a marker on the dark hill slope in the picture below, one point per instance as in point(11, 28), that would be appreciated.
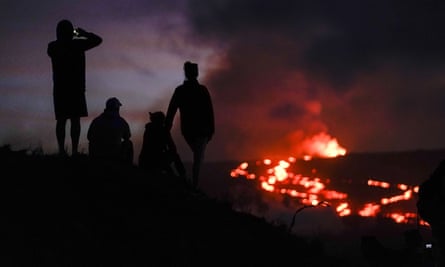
point(78, 212)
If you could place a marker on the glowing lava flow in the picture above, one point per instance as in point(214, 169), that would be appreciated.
point(312, 190)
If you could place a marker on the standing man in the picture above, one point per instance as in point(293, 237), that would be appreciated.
point(67, 55)
point(194, 103)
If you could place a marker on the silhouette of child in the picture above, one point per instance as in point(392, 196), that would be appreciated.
point(158, 152)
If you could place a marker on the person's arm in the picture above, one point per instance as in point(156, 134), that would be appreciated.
point(49, 49)
point(91, 130)
point(211, 115)
point(89, 39)
point(127, 132)
point(170, 142)
point(171, 110)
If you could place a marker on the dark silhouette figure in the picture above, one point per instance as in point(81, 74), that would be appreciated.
point(109, 135)
point(431, 208)
point(67, 55)
point(158, 152)
point(194, 103)
point(414, 253)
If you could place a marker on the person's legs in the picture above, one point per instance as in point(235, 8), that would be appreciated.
point(179, 166)
point(198, 146)
point(75, 135)
point(127, 151)
point(60, 135)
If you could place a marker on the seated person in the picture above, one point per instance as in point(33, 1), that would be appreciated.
point(158, 151)
point(109, 135)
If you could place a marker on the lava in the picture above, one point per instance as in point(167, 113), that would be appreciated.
point(311, 190)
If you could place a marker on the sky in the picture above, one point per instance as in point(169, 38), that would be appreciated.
point(368, 74)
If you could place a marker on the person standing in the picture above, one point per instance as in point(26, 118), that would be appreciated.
point(67, 55)
point(194, 103)
point(109, 135)
point(430, 207)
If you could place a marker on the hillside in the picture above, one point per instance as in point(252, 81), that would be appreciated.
point(79, 212)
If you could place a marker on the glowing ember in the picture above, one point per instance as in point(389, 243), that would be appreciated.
point(378, 183)
point(370, 210)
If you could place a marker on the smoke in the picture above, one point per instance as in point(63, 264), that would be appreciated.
point(307, 67)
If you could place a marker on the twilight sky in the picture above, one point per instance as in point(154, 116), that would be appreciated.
point(368, 73)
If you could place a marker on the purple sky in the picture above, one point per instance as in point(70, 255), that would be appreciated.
point(368, 73)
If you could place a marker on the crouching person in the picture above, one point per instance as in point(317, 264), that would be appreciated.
point(109, 135)
point(158, 153)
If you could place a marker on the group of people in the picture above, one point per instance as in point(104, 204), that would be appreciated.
point(109, 134)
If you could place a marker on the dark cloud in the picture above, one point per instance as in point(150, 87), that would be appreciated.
point(336, 39)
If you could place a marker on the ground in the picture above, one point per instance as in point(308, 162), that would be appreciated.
point(64, 211)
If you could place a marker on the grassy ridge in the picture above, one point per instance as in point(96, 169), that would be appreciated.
point(79, 212)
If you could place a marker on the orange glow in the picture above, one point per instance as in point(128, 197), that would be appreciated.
point(322, 145)
point(313, 190)
point(331, 194)
point(405, 196)
point(280, 173)
point(343, 210)
point(292, 159)
point(402, 187)
point(370, 210)
point(402, 217)
point(284, 164)
point(267, 187)
point(378, 183)
point(307, 157)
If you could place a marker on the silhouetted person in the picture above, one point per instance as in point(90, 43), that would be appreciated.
point(413, 253)
point(158, 152)
point(194, 103)
point(431, 208)
point(67, 55)
point(109, 135)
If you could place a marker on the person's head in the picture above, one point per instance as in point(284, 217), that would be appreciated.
point(191, 70)
point(157, 117)
point(113, 104)
point(65, 30)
